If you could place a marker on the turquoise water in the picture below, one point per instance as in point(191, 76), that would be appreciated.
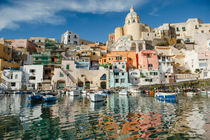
point(121, 117)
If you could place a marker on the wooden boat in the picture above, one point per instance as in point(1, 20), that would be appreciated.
point(123, 92)
point(49, 98)
point(166, 96)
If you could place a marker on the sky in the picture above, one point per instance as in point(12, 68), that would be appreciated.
point(92, 19)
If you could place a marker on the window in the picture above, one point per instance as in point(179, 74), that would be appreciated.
point(61, 74)
point(148, 55)
point(122, 73)
point(104, 60)
point(32, 78)
point(183, 29)
point(115, 67)
point(120, 58)
point(150, 65)
point(103, 77)
point(155, 73)
point(39, 40)
point(13, 84)
point(196, 27)
point(129, 58)
point(134, 20)
point(116, 80)
point(119, 63)
point(75, 36)
point(32, 70)
point(202, 31)
point(109, 58)
point(122, 80)
point(128, 21)
point(68, 40)
point(67, 67)
point(94, 53)
point(33, 41)
point(39, 46)
point(16, 76)
point(123, 66)
point(69, 36)
point(177, 29)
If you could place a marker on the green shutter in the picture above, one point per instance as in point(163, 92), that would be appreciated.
point(67, 67)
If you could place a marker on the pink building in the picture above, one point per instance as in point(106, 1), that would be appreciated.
point(148, 59)
point(24, 44)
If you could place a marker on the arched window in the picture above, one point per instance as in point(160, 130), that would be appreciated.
point(133, 47)
point(134, 20)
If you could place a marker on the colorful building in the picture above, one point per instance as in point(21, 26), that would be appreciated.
point(121, 56)
point(118, 75)
point(149, 67)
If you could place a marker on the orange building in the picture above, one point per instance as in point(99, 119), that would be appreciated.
point(121, 56)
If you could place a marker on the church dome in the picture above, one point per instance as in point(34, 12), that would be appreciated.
point(132, 17)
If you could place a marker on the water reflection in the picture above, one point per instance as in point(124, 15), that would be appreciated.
point(122, 117)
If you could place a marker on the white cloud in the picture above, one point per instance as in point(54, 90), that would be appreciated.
point(35, 11)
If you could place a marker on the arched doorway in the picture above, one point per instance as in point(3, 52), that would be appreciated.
point(87, 84)
point(60, 84)
point(133, 47)
point(80, 84)
point(103, 85)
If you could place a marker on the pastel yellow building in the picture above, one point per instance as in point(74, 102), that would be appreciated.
point(5, 59)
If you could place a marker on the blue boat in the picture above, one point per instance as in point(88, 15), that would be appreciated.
point(49, 98)
point(35, 98)
point(166, 96)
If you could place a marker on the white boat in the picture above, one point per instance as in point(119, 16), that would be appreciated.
point(73, 92)
point(123, 92)
point(165, 96)
point(190, 94)
point(98, 96)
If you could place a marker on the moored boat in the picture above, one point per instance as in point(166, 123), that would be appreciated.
point(123, 92)
point(49, 98)
point(35, 97)
point(166, 96)
point(97, 96)
point(190, 93)
point(203, 92)
point(74, 93)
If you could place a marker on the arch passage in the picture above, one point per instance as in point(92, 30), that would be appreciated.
point(103, 85)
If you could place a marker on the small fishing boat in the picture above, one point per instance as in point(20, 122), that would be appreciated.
point(49, 98)
point(203, 92)
point(190, 93)
point(35, 97)
point(123, 92)
point(74, 92)
point(97, 96)
point(166, 96)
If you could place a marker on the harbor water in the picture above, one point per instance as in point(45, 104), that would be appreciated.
point(120, 117)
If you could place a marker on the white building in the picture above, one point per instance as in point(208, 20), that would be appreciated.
point(134, 77)
point(12, 79)
point(33, 76)
point(70, 38)
point(191, 60)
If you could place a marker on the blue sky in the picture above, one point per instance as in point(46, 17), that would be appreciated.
point(92, 19)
